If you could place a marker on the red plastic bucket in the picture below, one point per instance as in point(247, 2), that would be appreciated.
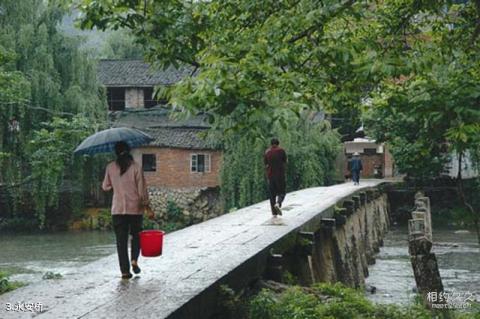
point(151, 242)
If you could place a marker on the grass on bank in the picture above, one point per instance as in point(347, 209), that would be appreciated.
point(6, 285)
point(336, 302)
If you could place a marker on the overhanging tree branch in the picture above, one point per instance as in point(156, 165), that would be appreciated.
point(314, 27)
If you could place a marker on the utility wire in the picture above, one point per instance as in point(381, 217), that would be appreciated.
point(37, 108)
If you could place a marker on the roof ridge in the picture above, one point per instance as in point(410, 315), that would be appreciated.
point(136, 73)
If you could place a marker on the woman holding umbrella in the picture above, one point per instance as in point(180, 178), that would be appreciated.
point(130, 197)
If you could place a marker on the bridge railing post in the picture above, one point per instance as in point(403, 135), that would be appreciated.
point(424, 263)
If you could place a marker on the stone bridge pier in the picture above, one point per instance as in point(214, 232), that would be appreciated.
point(325, 234)
point(340, 246)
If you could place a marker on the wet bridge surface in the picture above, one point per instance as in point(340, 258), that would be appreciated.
point(180, 283)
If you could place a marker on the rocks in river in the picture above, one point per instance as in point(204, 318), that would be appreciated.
point(461, 231)
point(371, 289)
point(51, 275)
point(454, 245)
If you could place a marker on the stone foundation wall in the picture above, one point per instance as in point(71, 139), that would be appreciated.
point(187, 205)
point(354, 244)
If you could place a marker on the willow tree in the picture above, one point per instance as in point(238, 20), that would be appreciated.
point(14, 91)
point(311, 147)
point(44, 74)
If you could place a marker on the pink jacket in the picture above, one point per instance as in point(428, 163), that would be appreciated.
point(129, 190)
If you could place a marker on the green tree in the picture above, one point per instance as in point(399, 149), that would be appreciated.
point(431, 110)
point(52, 160)
point(44, 76)
point(14, 92)
point(121, 44)
point(251, 59)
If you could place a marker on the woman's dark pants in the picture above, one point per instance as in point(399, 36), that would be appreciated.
point(124, 225)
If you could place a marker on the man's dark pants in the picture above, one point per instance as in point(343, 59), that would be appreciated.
point(124, 225)
point(276, 187)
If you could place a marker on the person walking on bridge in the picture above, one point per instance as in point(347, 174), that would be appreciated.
point(275, 160)
point(355, 168)
point(130, 197)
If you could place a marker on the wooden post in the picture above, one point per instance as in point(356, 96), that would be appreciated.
point(424, 263)
point(422, 204)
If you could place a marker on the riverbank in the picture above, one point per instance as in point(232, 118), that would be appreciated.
point(7, 285)
point(331, 301)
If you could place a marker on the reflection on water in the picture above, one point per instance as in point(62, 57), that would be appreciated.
point(28, 257)
point(458, 257)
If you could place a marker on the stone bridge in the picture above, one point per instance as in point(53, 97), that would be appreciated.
point(325, 234)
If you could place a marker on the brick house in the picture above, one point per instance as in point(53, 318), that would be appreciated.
point(179, 165)
point(376, 159)
point(178, 157)
point(131, 83)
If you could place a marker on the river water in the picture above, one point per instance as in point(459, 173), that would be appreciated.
point(458, 257)
point(28, 257)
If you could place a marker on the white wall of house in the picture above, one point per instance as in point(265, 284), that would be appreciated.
point(134, 98)
point(468, 171)
point(360, 144)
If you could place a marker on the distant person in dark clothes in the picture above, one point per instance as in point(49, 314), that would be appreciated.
point(275, 160)
point(355, 168)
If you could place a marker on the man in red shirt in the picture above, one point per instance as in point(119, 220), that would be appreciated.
point(275, 160)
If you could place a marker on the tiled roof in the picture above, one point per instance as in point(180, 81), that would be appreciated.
point(154, 117)
point(137, 73)
point(167, 132)
point(189, 138)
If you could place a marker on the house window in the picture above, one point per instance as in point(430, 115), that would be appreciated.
point(116, 98)
point(150, 100)
point(200, 163)
point(149, 162)
point(370, 151)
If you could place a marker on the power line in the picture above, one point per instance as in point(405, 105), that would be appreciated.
point(38, 108)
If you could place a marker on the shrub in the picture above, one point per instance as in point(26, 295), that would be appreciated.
point(333, 302)
point(174, 212)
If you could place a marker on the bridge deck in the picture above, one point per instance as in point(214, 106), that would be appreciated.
point(194, 259)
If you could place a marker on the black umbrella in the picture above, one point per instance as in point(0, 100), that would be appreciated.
point(104, 141)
